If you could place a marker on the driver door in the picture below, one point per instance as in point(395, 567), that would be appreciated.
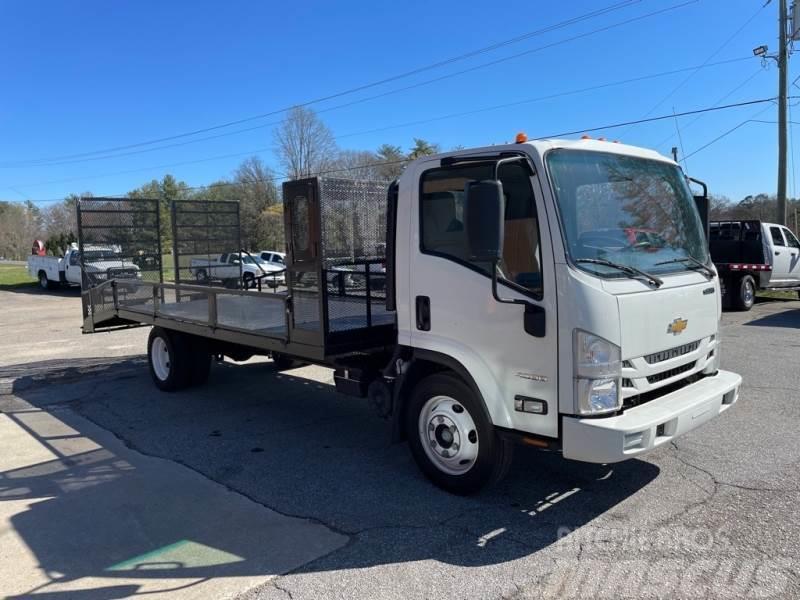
point(793, 248)
point(453, 312)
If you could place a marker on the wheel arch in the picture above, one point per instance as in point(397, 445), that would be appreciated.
point(421, 364)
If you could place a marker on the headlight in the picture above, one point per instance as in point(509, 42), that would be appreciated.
point(598, 370)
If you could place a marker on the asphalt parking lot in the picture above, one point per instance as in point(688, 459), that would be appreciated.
point(269, 485)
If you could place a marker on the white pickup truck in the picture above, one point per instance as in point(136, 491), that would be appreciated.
point(227, 268)
point(106, 263)
point(751, 255)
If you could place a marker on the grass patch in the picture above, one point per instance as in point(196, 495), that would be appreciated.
point(788, 295)
point(13, 276)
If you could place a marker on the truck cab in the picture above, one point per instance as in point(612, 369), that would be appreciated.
point(783, 249)
point(577, 329)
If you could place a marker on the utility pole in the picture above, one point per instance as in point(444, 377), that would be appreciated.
point(783, 67)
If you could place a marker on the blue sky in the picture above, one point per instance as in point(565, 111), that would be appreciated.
point(77, 77)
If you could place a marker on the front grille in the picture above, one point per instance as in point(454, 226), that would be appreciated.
point(658, 357)
point(627, 383)
point(670, 373)
point(123, 273)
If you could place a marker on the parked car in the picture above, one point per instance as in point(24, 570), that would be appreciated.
point(102, 263)
point(752, 255)
point(274, 258)
point(228, 267)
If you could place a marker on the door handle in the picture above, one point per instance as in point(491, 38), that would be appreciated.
point(776, 253)
point(423, 313)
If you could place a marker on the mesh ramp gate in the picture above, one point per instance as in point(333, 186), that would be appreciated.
point(206, 240)
point(118, 239)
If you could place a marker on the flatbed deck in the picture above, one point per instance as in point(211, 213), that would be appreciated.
point(246, 317)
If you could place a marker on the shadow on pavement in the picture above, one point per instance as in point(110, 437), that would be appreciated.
point(33, 289)
point(789, 318)
point(282, 440)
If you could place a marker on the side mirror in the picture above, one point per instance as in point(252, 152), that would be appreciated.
point(702, 204)
point(702, 207)
point(484, 210)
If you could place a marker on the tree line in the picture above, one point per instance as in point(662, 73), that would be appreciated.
point(303, 146)
point(759, 207)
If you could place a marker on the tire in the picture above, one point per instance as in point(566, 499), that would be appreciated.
point(248, 281)
point(201, 276)
point(169, 359)
point(745, 293)
point(444, 416)
point(201, 360)
point(283, 362)
point(45, 283)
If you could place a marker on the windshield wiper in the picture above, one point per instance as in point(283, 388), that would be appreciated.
point(632, 272)
point(709, 273)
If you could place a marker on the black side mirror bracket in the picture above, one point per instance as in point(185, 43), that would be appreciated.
point(534, 315)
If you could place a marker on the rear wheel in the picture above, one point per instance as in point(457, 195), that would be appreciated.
point(170, 360)
point(451, 438)
point(248, 281)
point(745, 293)
point(45, 283)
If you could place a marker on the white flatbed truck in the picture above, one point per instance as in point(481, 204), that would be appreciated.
point(511, 310)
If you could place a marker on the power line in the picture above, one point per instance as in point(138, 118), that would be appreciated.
point(660, 118)
point(711, 56)
point(727, 133)
point(562, 134)
point(381, 95)
point(722, 99)
point(583, 17)
point(420, 121)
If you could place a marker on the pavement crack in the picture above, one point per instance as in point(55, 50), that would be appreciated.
point(718, 482)
point(278, 586)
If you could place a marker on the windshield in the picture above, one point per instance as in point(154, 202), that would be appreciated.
point(249, 260)
point(631, 211)
point(101, 254)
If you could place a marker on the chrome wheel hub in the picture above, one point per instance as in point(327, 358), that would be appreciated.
point(448, 435)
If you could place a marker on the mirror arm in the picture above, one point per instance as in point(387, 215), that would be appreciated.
point(497, 296)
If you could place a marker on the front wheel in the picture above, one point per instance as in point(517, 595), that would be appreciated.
point(451, 437)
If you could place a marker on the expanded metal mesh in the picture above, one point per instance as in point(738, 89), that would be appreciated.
point(353, 217)
point(119, 239)
point(206, 241)
point(353, 242)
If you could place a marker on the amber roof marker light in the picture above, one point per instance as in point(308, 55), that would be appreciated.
point(522, 137)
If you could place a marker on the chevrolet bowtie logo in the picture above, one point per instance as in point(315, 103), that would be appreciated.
point(677, 326)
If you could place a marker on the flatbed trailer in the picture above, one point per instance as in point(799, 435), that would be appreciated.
point(482, 299)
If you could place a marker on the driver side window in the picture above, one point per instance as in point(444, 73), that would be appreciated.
point(791, 241)
point(442, 221)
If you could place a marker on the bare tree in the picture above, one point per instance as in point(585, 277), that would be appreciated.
point(304, 144)
point(357, 164)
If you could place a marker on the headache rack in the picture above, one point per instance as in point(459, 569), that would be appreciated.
point(332, 299)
